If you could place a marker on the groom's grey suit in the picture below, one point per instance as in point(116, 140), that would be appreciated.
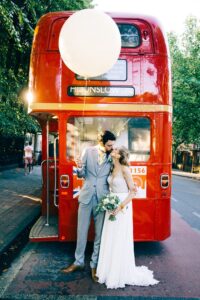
point(95, 186)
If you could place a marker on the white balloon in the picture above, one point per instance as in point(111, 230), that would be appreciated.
point(89, 43)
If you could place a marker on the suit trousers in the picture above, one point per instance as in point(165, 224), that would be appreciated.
point(85, 212)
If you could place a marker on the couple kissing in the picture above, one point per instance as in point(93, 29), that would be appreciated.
point(106, 170)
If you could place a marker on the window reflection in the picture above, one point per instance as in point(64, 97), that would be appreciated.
point(52, 136)
point(129, 35)
point(139, 138)
point(133, 133)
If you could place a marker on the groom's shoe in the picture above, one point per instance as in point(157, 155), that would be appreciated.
point(72, 268)
point(93, 273)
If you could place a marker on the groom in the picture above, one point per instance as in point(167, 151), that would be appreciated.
point(94, 168)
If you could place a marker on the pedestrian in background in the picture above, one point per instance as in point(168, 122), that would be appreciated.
point(28, 158)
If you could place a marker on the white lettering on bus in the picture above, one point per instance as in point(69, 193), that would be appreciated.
point(101, 90)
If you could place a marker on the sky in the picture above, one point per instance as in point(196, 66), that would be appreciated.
point(171, 13)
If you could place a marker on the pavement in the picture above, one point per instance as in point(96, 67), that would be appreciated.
point(20, 205)
point(186, 174)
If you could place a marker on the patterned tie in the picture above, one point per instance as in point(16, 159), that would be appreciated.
point(101, 157)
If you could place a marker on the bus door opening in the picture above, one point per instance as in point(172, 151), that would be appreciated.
point(47, 225)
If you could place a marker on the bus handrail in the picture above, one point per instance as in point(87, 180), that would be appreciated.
point(45, 160)
point(55, 173)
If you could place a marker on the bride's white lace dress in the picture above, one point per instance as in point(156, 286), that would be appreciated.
point(116, 264)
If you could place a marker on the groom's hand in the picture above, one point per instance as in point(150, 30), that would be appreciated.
point(78, 162)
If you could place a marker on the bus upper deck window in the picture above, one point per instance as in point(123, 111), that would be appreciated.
point(130, 36)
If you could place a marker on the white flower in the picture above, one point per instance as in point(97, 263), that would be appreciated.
point(106, 201)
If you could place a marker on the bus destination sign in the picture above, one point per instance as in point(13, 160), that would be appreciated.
point(101, 91)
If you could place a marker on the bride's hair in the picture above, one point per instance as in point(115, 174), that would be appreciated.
point(124, 156)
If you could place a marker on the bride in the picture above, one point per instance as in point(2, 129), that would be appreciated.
point(116, 265)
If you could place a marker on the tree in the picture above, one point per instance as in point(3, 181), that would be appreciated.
point(18, 19)
point(185, 54)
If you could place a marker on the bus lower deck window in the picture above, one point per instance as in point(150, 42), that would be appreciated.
point(133, 133)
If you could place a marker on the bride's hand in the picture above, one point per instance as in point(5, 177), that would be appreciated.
point(135, 189)
point(116, 211)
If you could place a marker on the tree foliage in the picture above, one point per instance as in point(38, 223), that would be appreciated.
point(185, 55)
point(18, 19)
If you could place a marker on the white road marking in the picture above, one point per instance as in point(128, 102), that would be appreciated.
point(196, 214)
point(174, 199)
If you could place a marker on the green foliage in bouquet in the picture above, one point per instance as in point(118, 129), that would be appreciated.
point(108, 203)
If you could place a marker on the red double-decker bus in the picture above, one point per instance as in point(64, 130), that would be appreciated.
point(133, 100)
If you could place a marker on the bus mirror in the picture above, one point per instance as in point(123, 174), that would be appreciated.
point(164, 181)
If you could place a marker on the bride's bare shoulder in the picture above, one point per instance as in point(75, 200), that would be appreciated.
point(126, 170)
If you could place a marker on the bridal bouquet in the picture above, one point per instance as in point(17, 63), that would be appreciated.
point(108, 203)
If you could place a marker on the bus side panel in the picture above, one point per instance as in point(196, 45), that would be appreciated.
point(163, 219)
point(163, 207)
point(144, 216)
point(67, 207)
point(51, 79)
point(163, 166)
point(68, 210)
point(155, 77)
point(163, 129)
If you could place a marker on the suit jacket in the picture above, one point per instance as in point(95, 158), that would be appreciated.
point(95, 176)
